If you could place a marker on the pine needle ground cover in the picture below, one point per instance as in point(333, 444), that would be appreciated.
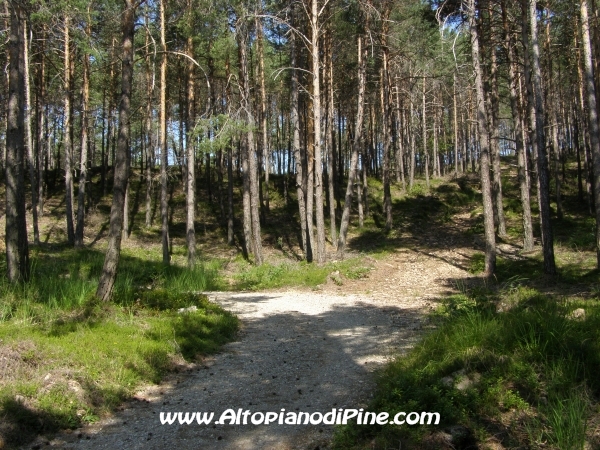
point(66, 359)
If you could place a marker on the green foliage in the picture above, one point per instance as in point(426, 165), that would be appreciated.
point(132, 346)
point(529, 369)
point(217, 131)
point(477, 263)
point(166, 300)
point(268, 276)
point(357, 272)
point(48, 326)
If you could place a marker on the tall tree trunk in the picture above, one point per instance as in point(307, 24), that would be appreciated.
point(365, 177)
point(29, 136)
point(316, 99)
point(246, 204)
point(592, 115)
point(42, 125)
point(356, 145)
point(556, 155)
point(83, 160)
point(586, 131)
point(164, 161)
point(359, 200)
point(110, 125)
point(330, 131)
point(190, 200)
point(537, 126)
point(263, 108)
point(111, 260)
point(17, 249)
point(425, 151)
point(482, 120)
point(250, 153)
point(310, 178)
point(385, 107)
point(67, 132)
point(295, 124)
point(127, 195)
point(495, 139)
point(230, 215)
point(411, 178)
point(399, 143)
point(577, 143)
point(149, 142)
point(518, 124)
point(552, 102)
point(436, 161)
point(457, 167)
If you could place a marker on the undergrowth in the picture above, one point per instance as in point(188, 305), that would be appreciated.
point(68, 359)
point(516, 367)
point(269, 276)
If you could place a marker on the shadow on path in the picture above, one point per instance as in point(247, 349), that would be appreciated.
point(302, 352)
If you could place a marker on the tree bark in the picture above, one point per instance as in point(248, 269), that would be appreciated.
point(191, 156)
point(424, 123)
point(330, 130)
point(263, 108)
point(29, 136)
point(457, 167)
point(495, 141)
point(592, 115)
point(411, 178)
point(83, 160)
point(399, 143)
point(356, 145)
point(68, 145)
point(250, 152)
point(386, 118)
point(436, 165)
point(111, 260)
point(316, 99)
point(482, 120)
point(518, 125)
point(17, 248)
point(41, 135)
point(230, 213)
point(537, 126)
point(149, 142)
point(164, 161)
point(295, 124)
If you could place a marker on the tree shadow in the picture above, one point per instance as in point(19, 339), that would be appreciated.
point(299, 360)
point(22, 423)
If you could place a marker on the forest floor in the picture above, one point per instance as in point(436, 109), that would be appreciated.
point(302, 350)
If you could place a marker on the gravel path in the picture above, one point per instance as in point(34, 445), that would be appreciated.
point(298, 351)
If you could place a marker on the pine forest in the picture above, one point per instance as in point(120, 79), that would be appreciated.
point(165, 161)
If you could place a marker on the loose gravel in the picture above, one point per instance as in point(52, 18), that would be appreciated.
point(298, 351)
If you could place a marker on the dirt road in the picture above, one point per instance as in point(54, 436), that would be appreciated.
point(310, 351)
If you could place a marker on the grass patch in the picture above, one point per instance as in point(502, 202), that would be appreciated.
point(67, 359)
point(64, 278)
point(296, 274)
point(516, 366)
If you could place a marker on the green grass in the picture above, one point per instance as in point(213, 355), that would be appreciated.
point(296, 274)
point(531, 371)
point(70, 358)
point(65, 278)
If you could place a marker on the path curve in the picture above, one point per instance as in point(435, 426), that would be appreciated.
point(298, 351)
